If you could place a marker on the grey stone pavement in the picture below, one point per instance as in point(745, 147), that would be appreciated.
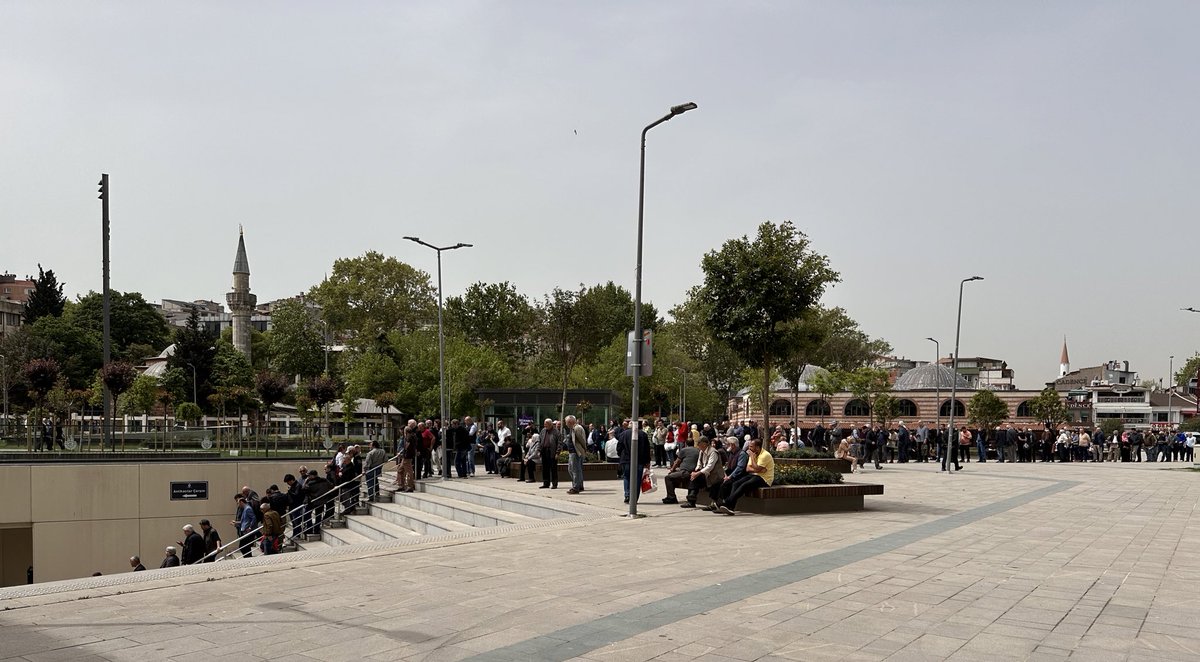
point(999, 562)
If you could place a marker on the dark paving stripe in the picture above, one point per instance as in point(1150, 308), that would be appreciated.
point(586, 637)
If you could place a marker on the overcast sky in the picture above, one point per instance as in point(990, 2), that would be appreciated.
point(1050, 147)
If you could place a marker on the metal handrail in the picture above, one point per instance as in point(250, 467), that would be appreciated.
point(339, 509)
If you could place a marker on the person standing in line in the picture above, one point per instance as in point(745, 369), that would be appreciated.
point(660, 441)
point(192, 545)
point(135, 562)
point(576, 449)
point(171, 560)
point(632, 433)
point(373, 466)
point(212, 540)
point(272, 530)
point(550, 441)
point(409, 454)
point(904, 443)
point(459, 435)
point(244, 522)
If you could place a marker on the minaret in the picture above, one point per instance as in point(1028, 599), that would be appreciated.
point(241, 301)
point(1064, 364)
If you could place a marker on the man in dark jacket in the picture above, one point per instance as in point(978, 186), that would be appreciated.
point(460, 437)
point(212, 540)
point(192, 544)
point(171, 560)
point(624, 444)
point(318, 500)
point(550, 439)
point(903, 441)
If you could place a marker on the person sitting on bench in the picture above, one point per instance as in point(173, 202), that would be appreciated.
point(760, 472)
point(686, 457)
point(708, 474)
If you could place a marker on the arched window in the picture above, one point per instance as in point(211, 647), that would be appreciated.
point(818, 408)
point(907, 408)
point(857, 407)
point(959, 408)
point(1023, 410)
point(781, 407)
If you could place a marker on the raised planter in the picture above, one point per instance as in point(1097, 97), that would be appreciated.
point(791, 499)
point(591, 471)
point(830, 463)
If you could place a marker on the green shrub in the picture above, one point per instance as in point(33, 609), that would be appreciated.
point(795, 474)
point(564, 457)
point(805, 453)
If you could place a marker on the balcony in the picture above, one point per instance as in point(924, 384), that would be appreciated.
point(1121, 400)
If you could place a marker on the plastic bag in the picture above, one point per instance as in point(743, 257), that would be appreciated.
point(649, 482)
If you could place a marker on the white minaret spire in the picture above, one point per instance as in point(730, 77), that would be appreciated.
point(241, 301)
point(1064, 363)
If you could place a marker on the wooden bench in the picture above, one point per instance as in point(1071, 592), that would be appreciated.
point(789, 499)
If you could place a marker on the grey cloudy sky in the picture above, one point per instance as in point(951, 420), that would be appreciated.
point(1049, 147)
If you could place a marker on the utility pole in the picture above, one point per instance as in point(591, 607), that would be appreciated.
point(105, 428)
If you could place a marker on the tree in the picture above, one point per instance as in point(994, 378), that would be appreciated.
point(271, 388)
point(194, 355)
point(297, 340)
point(1188, 371)
point(615, 305)
point(134, 323)
point(75, 348)
point(808, 334)
point(141, 396)
point(496, 315)
point(321, 391)
point(826, 384)
point(1049, 407)
point(47, 299)
point(118, 376)
point(371, 295)
point(188, 411)
point(570, 332)
point(231, 368)
point(986, 410)
point(41, 375)
point(385, 401)
point(885, 409)
point(845, 346)
point(719, 366)
point(871, 385)
point(755, 289)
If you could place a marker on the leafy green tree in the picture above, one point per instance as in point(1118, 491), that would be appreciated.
point(231, 368)
point(188, 411)
point(1188, 371)
point(826, 384)
point(271, 388)
point(41, 375)
point(385, 401)
point(570, 332)
point(134, 323)
point(118, 376)
point(615, 306)
point(321, 391)
point(371, 295)
point(886, 409)
point(297, 340)
point(75, 348)
point(371, 372)
point(141, 396)
point(47, 299)
point(1048, 407)
point(809, 334)
point(260, 347)
point(194, 355)
point(986, 410)
point(844, 345)
point(496, 315)
point(1112, 427)
point(755, 291)
point(349, 402)
point(720, 367)
point(469, 366)
point(870, 385)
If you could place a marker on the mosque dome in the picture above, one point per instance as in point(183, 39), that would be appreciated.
point(929, 377)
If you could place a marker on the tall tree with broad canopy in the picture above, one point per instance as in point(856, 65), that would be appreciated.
point(134, 324)
point(297, 340)
point(495, 315)
point(571, 332)
point(47, 299)
point(754, 290)
point(986, 411)
point(1049, 407)
point(373, 294)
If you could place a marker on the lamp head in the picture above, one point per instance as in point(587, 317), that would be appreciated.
point(974, 278)
point(412, 239)
point(931, 339)
point(462, 245)
point(682, 108)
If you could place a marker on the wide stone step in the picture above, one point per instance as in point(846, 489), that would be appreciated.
point(411, 519)
point(471, 514)
point(378, 529)
point(338, 537)
point(497, 499)
point(313, 545)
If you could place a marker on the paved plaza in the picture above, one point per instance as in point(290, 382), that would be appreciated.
point(998, 562)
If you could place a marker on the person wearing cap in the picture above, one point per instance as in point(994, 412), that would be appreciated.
point(171, 560)
point(192, 544)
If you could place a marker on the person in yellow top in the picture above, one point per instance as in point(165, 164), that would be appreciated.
point(760, 472)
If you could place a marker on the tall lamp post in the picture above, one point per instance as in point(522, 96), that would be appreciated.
point(1170, 391)
point(1197, 391)
point(441, 352)
point(194, 396)
point(937, 350)
point(954, 374)
point(635, 427)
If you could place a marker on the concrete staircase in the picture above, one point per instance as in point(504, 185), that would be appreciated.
point(435, 508)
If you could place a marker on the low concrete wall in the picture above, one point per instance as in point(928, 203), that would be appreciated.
point(89, 518)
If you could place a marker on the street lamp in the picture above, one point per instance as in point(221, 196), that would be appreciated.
point(937, 350)
point(1170, 391)
point(441, 352)
point(954, 374)
point(194, 396)
point(683, 396)
point(635, 428)
point(4, 387)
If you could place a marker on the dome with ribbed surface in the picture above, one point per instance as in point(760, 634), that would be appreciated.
point(929, 377)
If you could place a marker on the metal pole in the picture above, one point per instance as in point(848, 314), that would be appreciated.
point(635, 427)
point(954, 373)
point(442, 375)
point(1170, 392)
point(195, 397)
point(4, 377)
point(106, 430)
point(937, 349)
point(326, 322)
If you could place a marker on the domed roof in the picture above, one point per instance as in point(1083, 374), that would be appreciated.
point(780, 384)
point(929, 377)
